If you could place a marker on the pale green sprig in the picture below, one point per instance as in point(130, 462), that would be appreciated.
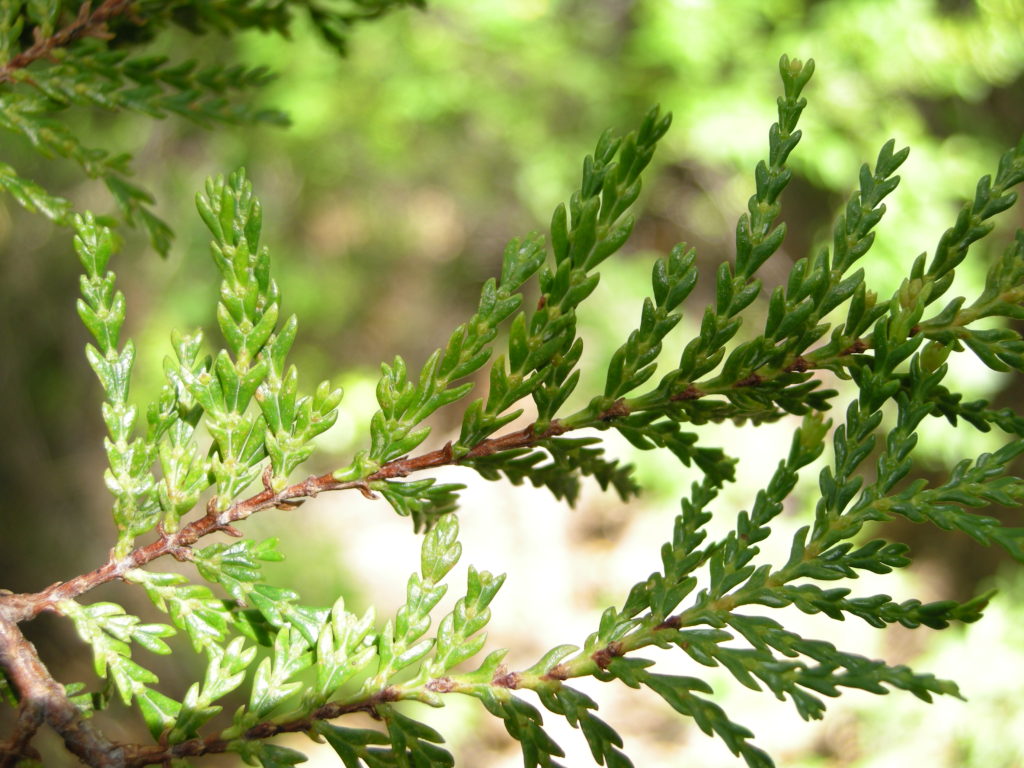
point(110, 631)
point(191, 607)
point(225, 672)
point(102, 310)
point(402, 642)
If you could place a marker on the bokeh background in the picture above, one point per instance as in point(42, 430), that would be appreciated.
point(407, 167)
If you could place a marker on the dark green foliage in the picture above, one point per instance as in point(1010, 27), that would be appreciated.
point(567, 460)
point(605, 744)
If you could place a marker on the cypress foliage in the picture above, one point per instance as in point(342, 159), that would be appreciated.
point(303, 668)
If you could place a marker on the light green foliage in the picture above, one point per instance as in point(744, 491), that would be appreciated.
point(231, 427)
point(110, 631)
point(103, 312)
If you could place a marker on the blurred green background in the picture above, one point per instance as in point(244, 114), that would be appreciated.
point(388, 202)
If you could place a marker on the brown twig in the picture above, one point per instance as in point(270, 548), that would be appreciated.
point(30, 717)
point(690, 393)
point(87, 23)
point(44, 699)
point(858, 346)
point(24, 607)
point(138, 755)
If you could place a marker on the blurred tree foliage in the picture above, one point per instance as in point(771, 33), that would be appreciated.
point(411, 162)
point(453, 129)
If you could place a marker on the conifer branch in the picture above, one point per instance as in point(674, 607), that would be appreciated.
point(87, 23)
point(297, 667)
